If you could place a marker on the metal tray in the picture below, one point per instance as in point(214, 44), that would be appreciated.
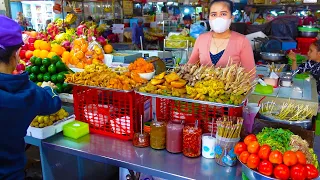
point(103, 88)
point(306, 124)
point(190, 100)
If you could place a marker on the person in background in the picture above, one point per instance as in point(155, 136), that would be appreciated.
point(21, 20)
point(164, 8)
point(90, 19)
point(259, 20)
point(312, 65)
point(48, 21)
point(187, 21)
point(21, 101)
point(309, 20)
point(201, 16)
point(137, 32)
point(221, 44)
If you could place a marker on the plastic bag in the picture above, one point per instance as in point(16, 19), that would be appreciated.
point(196, 30)
point(95, 53)
point(78, 52)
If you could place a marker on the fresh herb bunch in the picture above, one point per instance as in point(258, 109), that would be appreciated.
point(277, 139)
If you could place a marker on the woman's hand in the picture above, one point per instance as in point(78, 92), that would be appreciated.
point(49, 84)
point(292, 55)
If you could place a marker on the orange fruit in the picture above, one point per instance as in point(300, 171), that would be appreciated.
point(36, 53)
point(84, 48)
point(76, 48)
point(80, 65)
point(79, 55)
point(101, 57)
point(95, 61)
point(37, 44)
point(51, 54)
point(66, 55)
point(75, 60)
point(66, 61)
point(43, 54)
point(33, 34)
point(89, 53)
point(94, 56)
point(108, 48)
point(45, 46)
point(89, 61)
point(57, 49)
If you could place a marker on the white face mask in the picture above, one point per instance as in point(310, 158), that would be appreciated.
point(220, 25)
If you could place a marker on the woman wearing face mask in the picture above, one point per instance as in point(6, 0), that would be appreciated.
point(221, 44)
point(20, 102)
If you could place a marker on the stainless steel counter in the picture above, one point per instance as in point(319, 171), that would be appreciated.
point(146, 160)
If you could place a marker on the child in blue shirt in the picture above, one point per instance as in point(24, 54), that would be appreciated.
point(20, 102)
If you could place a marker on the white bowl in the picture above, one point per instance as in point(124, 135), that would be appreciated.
point(147, 76)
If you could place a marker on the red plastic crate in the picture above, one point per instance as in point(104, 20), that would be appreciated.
point(303, 44)
point(108, 112)
point(177, 111)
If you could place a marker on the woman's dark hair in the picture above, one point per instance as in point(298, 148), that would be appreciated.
point(6, 53)
point(229, 3)
point(317, 44)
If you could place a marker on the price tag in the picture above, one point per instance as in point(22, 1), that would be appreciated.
point(117, 28)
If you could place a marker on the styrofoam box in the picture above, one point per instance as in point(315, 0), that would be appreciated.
point(43, 133)
point(65, 97)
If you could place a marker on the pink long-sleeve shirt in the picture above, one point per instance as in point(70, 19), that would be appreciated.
point(238, 49)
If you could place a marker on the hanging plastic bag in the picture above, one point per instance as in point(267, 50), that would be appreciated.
point(95, 53)
point(79, 52)
point(197, 29)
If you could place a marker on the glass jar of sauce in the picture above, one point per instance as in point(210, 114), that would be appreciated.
point(141, 140)
point(191, 146)
point(158, 135)
point(174, 137)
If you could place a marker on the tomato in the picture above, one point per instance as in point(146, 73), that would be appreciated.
point(312, 171)
point(244, 156)
point(298, 172)
point(249, 138)
point(253, 161)
point(265, 167)
point(239, 148)
point(253, 147)
point(282, 172)
point(275, 157)
point(290, 158)
point(264, 152)
point(301, 157)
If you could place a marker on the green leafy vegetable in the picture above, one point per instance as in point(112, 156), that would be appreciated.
point(277, 139)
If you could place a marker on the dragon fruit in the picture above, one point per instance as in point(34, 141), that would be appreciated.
point(67, 45)
point(102, 40)
point(52, 30)
point(81, 29)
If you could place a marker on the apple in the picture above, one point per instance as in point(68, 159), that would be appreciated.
point(22, 54)
point(24, 47)
point(15, 72)
point(31, 46)
point(31, 40)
